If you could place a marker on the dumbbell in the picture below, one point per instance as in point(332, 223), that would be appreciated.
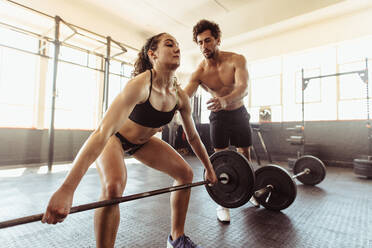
point(275, 188)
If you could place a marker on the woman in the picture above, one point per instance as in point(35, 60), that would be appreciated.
point(148, 102)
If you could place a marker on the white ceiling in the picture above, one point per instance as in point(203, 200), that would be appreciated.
point(133, 21)
point(236, 18)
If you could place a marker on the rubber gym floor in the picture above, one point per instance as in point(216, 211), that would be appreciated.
point(335, 213)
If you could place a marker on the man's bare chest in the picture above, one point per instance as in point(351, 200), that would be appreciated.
point(218, 78)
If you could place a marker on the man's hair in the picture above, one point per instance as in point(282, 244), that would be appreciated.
point(203, 25)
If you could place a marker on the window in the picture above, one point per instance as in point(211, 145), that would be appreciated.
point(116, 85)
point(266, 91)
point(265, 88)
point(352, 92)
point(204, 112)
point(119, 77)
point(319, 95)
point(312, 92)
point(18, 40)
point(351, 85)
point(73, 55)
point(77, 94)
point(26, 76)
point(17, 87)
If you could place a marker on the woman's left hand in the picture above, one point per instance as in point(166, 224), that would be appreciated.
point(210, 176)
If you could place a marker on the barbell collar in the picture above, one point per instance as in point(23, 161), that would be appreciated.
point(224, 178)
point(266, 190)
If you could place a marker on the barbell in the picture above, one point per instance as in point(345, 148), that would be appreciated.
point(236, 179)
point(275, 188)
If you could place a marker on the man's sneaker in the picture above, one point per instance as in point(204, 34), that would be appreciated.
point(223, 214)
point(182, 242)
point(254, 202)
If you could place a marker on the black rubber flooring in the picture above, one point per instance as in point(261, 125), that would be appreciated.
point(336, 213)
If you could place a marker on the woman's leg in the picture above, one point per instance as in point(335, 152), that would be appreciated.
point(113, 177)
point(161, 156)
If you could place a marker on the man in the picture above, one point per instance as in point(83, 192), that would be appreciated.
point(225, 76)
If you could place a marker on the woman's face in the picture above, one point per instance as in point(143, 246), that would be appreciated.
point(168, 52)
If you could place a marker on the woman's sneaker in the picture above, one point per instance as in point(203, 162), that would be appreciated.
point(182, 242)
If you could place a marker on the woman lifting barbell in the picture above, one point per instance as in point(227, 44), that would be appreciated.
point(148, 102)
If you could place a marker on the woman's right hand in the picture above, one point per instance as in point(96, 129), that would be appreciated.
point(58, 207)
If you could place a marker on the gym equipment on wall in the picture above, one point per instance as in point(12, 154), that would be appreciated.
point(363, 166)
point(300, 129)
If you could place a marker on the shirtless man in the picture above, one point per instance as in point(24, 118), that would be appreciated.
point(225, 76)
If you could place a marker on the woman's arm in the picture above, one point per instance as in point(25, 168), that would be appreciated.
point(113, 120)
point(60, 203)
point(193, 136)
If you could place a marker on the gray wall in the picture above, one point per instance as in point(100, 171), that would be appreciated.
point(30, 146)
point(337, 142)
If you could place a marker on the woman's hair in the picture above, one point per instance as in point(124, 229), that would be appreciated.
point(203, 25)
point(143, 62)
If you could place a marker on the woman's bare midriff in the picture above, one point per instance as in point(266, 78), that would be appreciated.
point(136, 133)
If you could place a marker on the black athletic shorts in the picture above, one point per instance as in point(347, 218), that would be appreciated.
point(128, 147)
point(230, 126)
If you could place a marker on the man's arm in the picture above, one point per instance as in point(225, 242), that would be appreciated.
point(241, 82)
point(193, 85)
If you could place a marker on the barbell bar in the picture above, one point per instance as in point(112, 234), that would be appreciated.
point(104, 203)
point(234, 187)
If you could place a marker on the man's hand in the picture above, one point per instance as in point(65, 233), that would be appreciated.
point(216, 104)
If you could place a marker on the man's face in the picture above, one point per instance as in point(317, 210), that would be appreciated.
point(207, 43)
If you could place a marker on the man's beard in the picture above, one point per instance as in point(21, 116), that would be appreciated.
point(209, 55)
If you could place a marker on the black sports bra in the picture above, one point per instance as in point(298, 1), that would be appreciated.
point(146, 115)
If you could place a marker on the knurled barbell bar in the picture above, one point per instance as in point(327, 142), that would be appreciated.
point(276, 189)
point(233, 189)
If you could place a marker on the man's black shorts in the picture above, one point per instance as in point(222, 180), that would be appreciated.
point(230, 126)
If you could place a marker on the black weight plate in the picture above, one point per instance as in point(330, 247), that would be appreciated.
point(284, 190)
point(363, 167)
point(316, 166)
point(239, 189)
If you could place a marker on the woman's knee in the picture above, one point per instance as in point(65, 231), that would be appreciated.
point(186, 174)
point(113, 189)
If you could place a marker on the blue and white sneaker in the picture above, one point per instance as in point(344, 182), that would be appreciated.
point(182, 242)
